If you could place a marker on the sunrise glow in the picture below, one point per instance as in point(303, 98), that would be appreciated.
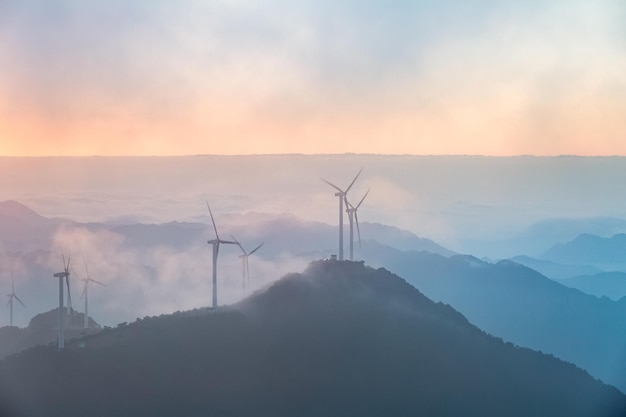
point(233, 78)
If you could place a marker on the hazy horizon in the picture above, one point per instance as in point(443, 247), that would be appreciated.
point(444, 198)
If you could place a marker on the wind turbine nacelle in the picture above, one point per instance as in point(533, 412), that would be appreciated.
point(59, 275)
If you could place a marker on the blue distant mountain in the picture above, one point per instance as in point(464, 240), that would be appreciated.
point(564, 229)
point(605, 284)
point(555, 270)
point(541, 236)
point(607, 253)
point(520, 305)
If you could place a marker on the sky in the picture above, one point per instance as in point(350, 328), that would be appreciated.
point(157, 77)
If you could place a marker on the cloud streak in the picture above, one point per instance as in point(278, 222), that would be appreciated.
point(228, 77)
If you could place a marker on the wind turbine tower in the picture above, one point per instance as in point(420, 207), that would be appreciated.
point(216, 249)
point(60, 275)
point(12, 297)
point(352, 217)
point(342, 196)
point(244, 263)
point(85, 294)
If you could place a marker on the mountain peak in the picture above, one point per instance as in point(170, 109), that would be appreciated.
point(50, 320)
point(12, 208)
point(329, 287)
point(340, 338)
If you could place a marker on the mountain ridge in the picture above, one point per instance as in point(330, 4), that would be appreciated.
point(338, 339)
point(521, 305)
point(604, 252)
point(603, 284)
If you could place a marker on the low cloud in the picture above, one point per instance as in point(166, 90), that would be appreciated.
point(151, 281)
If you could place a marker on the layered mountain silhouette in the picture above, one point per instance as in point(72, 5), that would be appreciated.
point(281, 234)
point(114, 252)
point(338, 339)
point(21, 229)
point(556, 270)
point(607, 253)
point(606, 284)
point(542, 235)
point(520, 305)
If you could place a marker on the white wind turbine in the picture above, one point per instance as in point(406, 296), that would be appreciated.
point(12, 297)
point(352, 217)
point(244, 262)
point(342, 195)
point(216, 248)
point(85, 294)
point(60, 275)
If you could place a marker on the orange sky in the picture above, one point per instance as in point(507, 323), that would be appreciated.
point(238, 79)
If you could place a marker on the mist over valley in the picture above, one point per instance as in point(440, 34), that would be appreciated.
point(140, 226)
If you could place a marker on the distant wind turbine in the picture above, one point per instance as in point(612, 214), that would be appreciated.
point(12, 297)
point(342, 195)
point(352, 217)
point(244, 262)
point(60, 275)
point(85, 294)
point(216, 248)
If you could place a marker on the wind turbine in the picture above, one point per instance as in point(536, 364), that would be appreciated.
point(85, 294)
point(12, 297)
point(352, 216)
point(342, 195)
point(216, 248)
point(60, 275)
point(244, 262)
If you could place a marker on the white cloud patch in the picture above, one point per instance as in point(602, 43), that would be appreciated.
point(142, 281)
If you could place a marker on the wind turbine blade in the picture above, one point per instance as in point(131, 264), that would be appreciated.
point(228, 242)
point(354, 180)
point(63, 257)
point(332, 185)
point(69, 295)
point(10, 299)
point(86, 269)
point(213, 220)
point(67, 267)
point(256, 249)
point(366, 193)
point(358, 229)
point(348, 205)
point(97, 282)
point(239, 244)
point(17, 298)
point(82, 295)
